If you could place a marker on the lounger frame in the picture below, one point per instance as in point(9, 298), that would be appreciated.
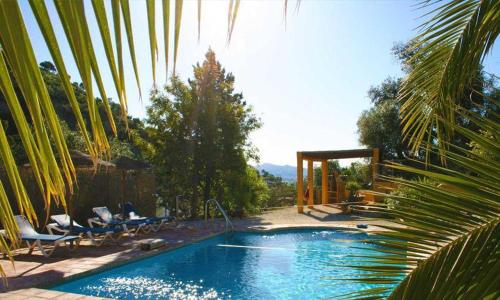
point(34, 239)
point(136, 225)
point(95, 238)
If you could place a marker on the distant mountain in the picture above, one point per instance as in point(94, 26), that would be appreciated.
point(286, 172)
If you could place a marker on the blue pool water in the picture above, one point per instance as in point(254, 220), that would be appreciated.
point(280, 265)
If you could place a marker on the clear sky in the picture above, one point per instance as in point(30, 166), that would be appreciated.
point(307, 82)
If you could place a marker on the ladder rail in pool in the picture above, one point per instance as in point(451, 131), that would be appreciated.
point(229, 224)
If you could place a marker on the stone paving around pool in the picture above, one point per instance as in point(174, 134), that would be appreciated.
point(32, 271)
point(319, 216)
point(34, 293)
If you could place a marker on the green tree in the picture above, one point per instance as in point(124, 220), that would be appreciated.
point(200, 134)
point(129, 139)
point(332, 166)
point(358, 172)
point(444, 63)
point(281, 193)
point(380, 126)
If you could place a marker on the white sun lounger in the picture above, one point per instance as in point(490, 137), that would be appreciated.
point(156, 222)
point(34, 239)
point(106, 219)
point(97, 235)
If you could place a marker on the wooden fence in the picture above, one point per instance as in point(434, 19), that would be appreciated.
point(94, 188)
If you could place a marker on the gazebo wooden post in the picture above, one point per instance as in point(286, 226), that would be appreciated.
point(300, 183)
point(310, 183)
point(323, 157)
point(375, 161)
point(324, 181)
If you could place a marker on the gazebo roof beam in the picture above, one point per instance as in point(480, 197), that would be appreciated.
point(336, 154)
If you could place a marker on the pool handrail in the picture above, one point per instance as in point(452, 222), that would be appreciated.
point(229, 224)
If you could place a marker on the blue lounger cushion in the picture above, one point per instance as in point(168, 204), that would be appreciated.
point(130, 222)
point(156, 219)
point(156, 223)
point(63, 221)
point(48, 238)
point(106, 216)
point(108, 219)
point(97, 230)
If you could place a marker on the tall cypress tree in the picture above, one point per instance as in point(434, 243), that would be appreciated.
point(201, 133)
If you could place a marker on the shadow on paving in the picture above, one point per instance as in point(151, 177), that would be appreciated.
point(318, 215)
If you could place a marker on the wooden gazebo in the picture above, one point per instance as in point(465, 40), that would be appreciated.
point(323, 157)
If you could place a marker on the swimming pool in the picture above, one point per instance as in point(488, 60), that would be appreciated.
point(292, 264)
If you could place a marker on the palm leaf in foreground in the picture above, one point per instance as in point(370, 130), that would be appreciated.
point(445, 239)
point(454, 39)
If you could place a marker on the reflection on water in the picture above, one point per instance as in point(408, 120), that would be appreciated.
point(145, 287)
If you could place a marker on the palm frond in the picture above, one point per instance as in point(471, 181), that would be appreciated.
point(232, 15)
point(102, 22)
point(166, 31)
point(285, 11)
point(127, 20)
point(17, 186)
point(115, 8)
point(41, 14)
point(31, 148)
point(9, 224)
point(152, 36)
point(457, 34)
point(75, 28)
point(444, 242)
point(19, 56)
point(199, 19)
point(229, 16)
point(177, 28)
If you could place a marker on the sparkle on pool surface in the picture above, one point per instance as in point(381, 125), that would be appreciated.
point(294, 264)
